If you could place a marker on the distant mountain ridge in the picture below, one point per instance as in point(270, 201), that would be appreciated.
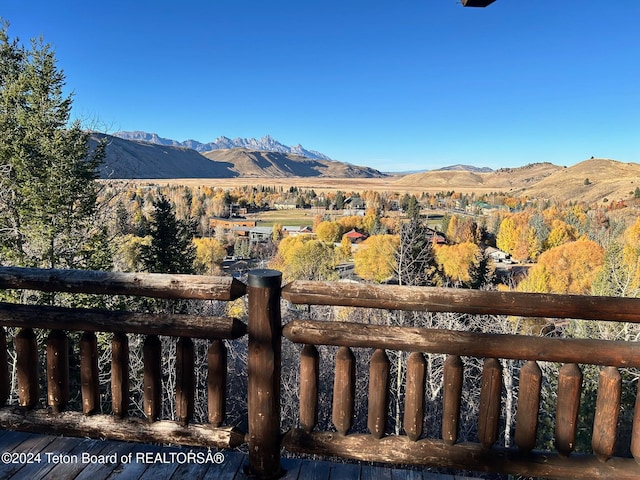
point(142, 159)
point(266, 143)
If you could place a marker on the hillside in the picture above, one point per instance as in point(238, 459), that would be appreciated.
point(503, 179)
point(251, 163)
point(138, 159)
point(607, 179)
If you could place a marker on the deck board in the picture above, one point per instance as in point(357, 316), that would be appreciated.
point(140, 467)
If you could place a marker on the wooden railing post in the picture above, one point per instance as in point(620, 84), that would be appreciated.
point(265, 330)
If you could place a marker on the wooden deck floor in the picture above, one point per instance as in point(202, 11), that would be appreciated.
point(33, 456)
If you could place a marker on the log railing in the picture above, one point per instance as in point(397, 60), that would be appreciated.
point(30, 415)
point(265, 331)
point(447, 451)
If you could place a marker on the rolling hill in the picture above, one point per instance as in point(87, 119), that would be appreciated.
point(590, 181)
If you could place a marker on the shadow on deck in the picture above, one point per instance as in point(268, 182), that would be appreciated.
point(34, 456)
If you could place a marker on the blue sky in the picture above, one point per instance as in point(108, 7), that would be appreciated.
point(394, 84)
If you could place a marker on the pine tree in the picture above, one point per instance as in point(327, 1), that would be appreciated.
point(171, 249)
point(48, 186)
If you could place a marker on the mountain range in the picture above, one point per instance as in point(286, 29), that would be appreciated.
point(143, 159)
point(266, 143)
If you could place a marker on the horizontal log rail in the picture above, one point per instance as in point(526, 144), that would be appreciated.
point(436, 453)
point(95, 320)
point(156, 285)
point(476, 302)
point(411, 339)
point(127, 429)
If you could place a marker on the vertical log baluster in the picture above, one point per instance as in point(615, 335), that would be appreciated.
point(490, 395)
point(378, 393)
point(89, 380)
point(569, 389)
point(27, 368)
point(414, 396)
point(603, 440)
point(217, 382)
point(344, 390)
point(57, 370)
point(5, 387)
point(309, 385)
point(635, 433)
point(184, 380)
point(528, 406)
point(120, 374)
point(263, 365)
point(451, 398)
point(152, 381)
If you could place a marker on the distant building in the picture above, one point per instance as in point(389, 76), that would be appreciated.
point(260, 234)
point(355, 236)
point(289, 204)
point(295, 230)
point(240, 226)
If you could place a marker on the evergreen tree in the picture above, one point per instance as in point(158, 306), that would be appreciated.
point(171, 249)
point(48, 186)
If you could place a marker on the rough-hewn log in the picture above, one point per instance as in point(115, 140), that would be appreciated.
point(569, 389)
point(152, 379)
point(412, 339)
point(451, 398)
point(264, 356)
point(112, 428)
point(27, 367)
point(605, 424)
point(414, 396)
point(635, 434)
point(94, 320)
point(528, 406)
point(434, 299)
point(184, 380)
point(344, 390)
point(5, 386)
point(309, 386)
point(120, 374)
point(490, 395)
point(89, 380)
point(57, 370)
point(378, 393)
point(159, 285)
point(217, 382)
point(462, 456)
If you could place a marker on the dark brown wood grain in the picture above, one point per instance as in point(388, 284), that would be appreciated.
point(57, 370)
point(451, 398)
point(89, 380)
point(434, 299)
point(490, 396)
point(5, 385)
point(152, 380)
point(120, 374)
point(184, 380)
point(605, 424)
point(27, 367)
point(413, 339)
point(217, 382)
point(528, 406)
point(309, 386)
point(159, 285)
point(264, 357)
point(344, 390)
point(378, 393)
point(569, 390)
point(414, 396)
point(94, 320)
